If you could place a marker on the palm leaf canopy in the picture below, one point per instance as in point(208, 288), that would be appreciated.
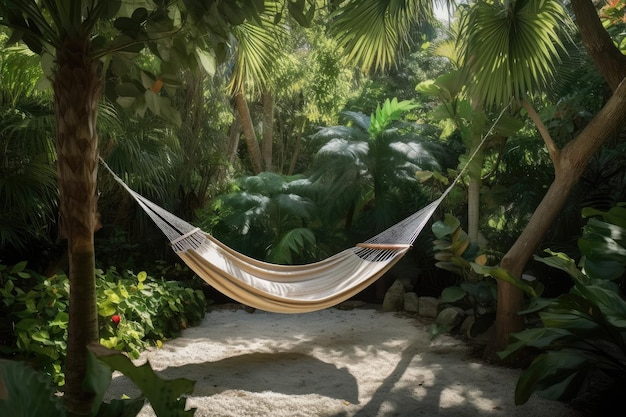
point(257, 49)
point(511, 48)
point(373, 31)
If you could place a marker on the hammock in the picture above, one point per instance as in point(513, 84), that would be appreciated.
point(292, 288)
point(286, 288)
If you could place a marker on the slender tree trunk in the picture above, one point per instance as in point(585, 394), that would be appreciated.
point(233, 139)
point(248, 131)
point(268, 129)
point(473, 195)
point(569, 165)
point(296, 149)
point(77, 92)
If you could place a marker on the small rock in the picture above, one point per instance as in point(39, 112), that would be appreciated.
point(428, 307)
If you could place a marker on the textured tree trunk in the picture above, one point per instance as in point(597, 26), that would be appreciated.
point(268, 129)
point(569, 165)
point(473, 195)
point(609, 60)
point(248, 131)
point(296, 149)
point(77, 92)
point(233, 140)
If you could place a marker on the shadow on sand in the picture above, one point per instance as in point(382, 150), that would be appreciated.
point(290, 374)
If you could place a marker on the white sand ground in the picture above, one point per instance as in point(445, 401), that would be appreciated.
point(356, 363)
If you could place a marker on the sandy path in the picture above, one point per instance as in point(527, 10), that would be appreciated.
point(332, 363)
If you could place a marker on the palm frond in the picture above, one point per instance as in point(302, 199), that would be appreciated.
point(256, 52)
point(510, 48)
point(372, 31)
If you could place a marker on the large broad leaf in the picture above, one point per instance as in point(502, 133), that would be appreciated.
point(25, 392)
point(616, 215)
point(602, 245)
point(452, 294)
point(609, 301)
point(540, 337)
point(610, 237)
point(446, 227)
point(564, 263)
point(97, 381)
point(556, 375)
point(165, 396)
point(504, 275)
point(602, 269)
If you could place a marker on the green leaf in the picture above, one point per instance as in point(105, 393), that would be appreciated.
point(126, 24)
point(97, 380)
point(608, 301)
point(446, 227)
point(128, 90)
point(292, 243)
point(556, 374)
point(206, 60)
point(564, 263)
point(298, 10)
point(504, 275)
point(25, 392)
point(452, 294)
point(510, 49)
point(164, 395)
point(19, 267)
point(153, 101)
point(602, 269)
point(616, 215)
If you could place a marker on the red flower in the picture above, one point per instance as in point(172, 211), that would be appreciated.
point(116, 319)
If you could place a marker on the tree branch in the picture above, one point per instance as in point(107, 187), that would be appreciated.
point(553, 150)
point(609, 60)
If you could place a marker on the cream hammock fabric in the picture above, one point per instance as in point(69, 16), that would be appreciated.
point(287, 288)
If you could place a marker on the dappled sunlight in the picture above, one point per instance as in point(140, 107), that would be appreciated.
point(360, 363)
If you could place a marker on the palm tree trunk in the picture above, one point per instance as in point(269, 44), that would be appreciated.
point(569, 165)
point(77, 92)
point(248, 131)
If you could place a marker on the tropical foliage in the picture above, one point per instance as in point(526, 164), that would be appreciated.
point(30, 394)
point(368, 166)
point(583, 332)
point(152, 77)
point(28, 190)
point(268, 217)
point(135, 311)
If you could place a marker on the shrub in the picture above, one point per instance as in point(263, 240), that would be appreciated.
point(584, 331)
point(135, 311)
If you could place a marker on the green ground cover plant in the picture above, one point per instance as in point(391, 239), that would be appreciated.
point(135, 311)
